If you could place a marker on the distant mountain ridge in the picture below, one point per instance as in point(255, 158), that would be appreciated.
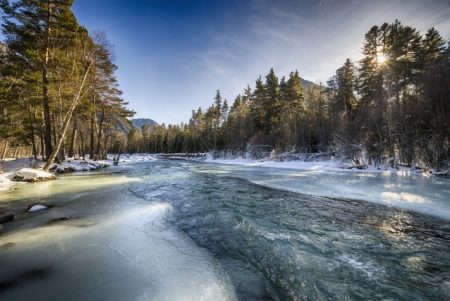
point(306, 83)
point(140, 122)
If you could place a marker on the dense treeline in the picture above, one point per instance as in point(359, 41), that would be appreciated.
point(58, 93)
point(392, 107)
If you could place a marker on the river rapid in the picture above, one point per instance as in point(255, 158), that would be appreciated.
point(178, 230)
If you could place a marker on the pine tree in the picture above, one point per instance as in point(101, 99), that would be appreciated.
point(33, 29)
point(272, 103)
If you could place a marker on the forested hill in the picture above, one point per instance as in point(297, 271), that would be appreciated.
point(391, 107)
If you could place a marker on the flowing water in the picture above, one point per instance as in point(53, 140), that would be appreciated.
point(175, 230)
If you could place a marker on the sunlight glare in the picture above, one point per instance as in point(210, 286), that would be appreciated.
point(381, 58)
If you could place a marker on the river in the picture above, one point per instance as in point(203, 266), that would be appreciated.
point(177, 230)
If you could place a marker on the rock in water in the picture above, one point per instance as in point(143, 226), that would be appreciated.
point(6, 218)
point(58, 220)
point(37, 207)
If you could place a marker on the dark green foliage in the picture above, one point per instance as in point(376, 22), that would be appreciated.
point(43, 87)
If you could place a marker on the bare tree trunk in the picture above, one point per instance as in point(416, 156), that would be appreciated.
point(116, 159)
point(67, 119)
point(54, 129)
point(105, 148)
point(62, 152)
point(5, 148)
point(72, 140)
point(91, 143)
point(100, 133)
point(33, 138)
point(45, 84)
point(82, 145)
point(41, 136)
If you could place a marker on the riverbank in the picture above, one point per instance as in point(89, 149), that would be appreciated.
point(30, 170)
point(304, 162)
point(308, 162)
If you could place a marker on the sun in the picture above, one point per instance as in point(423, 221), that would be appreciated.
point(381, 58)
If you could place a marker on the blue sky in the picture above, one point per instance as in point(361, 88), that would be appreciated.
point(173, 55)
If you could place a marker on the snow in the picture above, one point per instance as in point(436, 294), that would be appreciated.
point(401, 188)
point(37, 208)
point(313, 165)
point(20, 170)
point(31, 175)
point(325, 165)
point(411, 192)
point(71, 165)
point(441, 173)
point(135, 158)
point(5, 183)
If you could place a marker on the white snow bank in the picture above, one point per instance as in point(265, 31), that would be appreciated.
point(37, 208)
point(441, 173)
point(19, 170)
point(133, 158)
point(301, 165)
point(5, 183)
point(31, 175)
point(319, 165)
point(79, 165)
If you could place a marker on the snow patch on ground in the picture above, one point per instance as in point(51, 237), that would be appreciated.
point(30, 170)
point(31, 175)
point(312, 165)
point(72, 165)
point(134, 158)
point(5, 183)
point(301, 165)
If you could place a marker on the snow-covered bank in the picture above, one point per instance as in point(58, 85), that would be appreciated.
point(303, 165)
point(134, 158)
point(79, 165)
point(315, 162)
point(31, 175)
point(14, 170)
point(315, 165)
point(5, 183)
point(30, 170)
point(297, 161)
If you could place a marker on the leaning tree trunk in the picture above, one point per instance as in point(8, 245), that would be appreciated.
point(67, 119)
